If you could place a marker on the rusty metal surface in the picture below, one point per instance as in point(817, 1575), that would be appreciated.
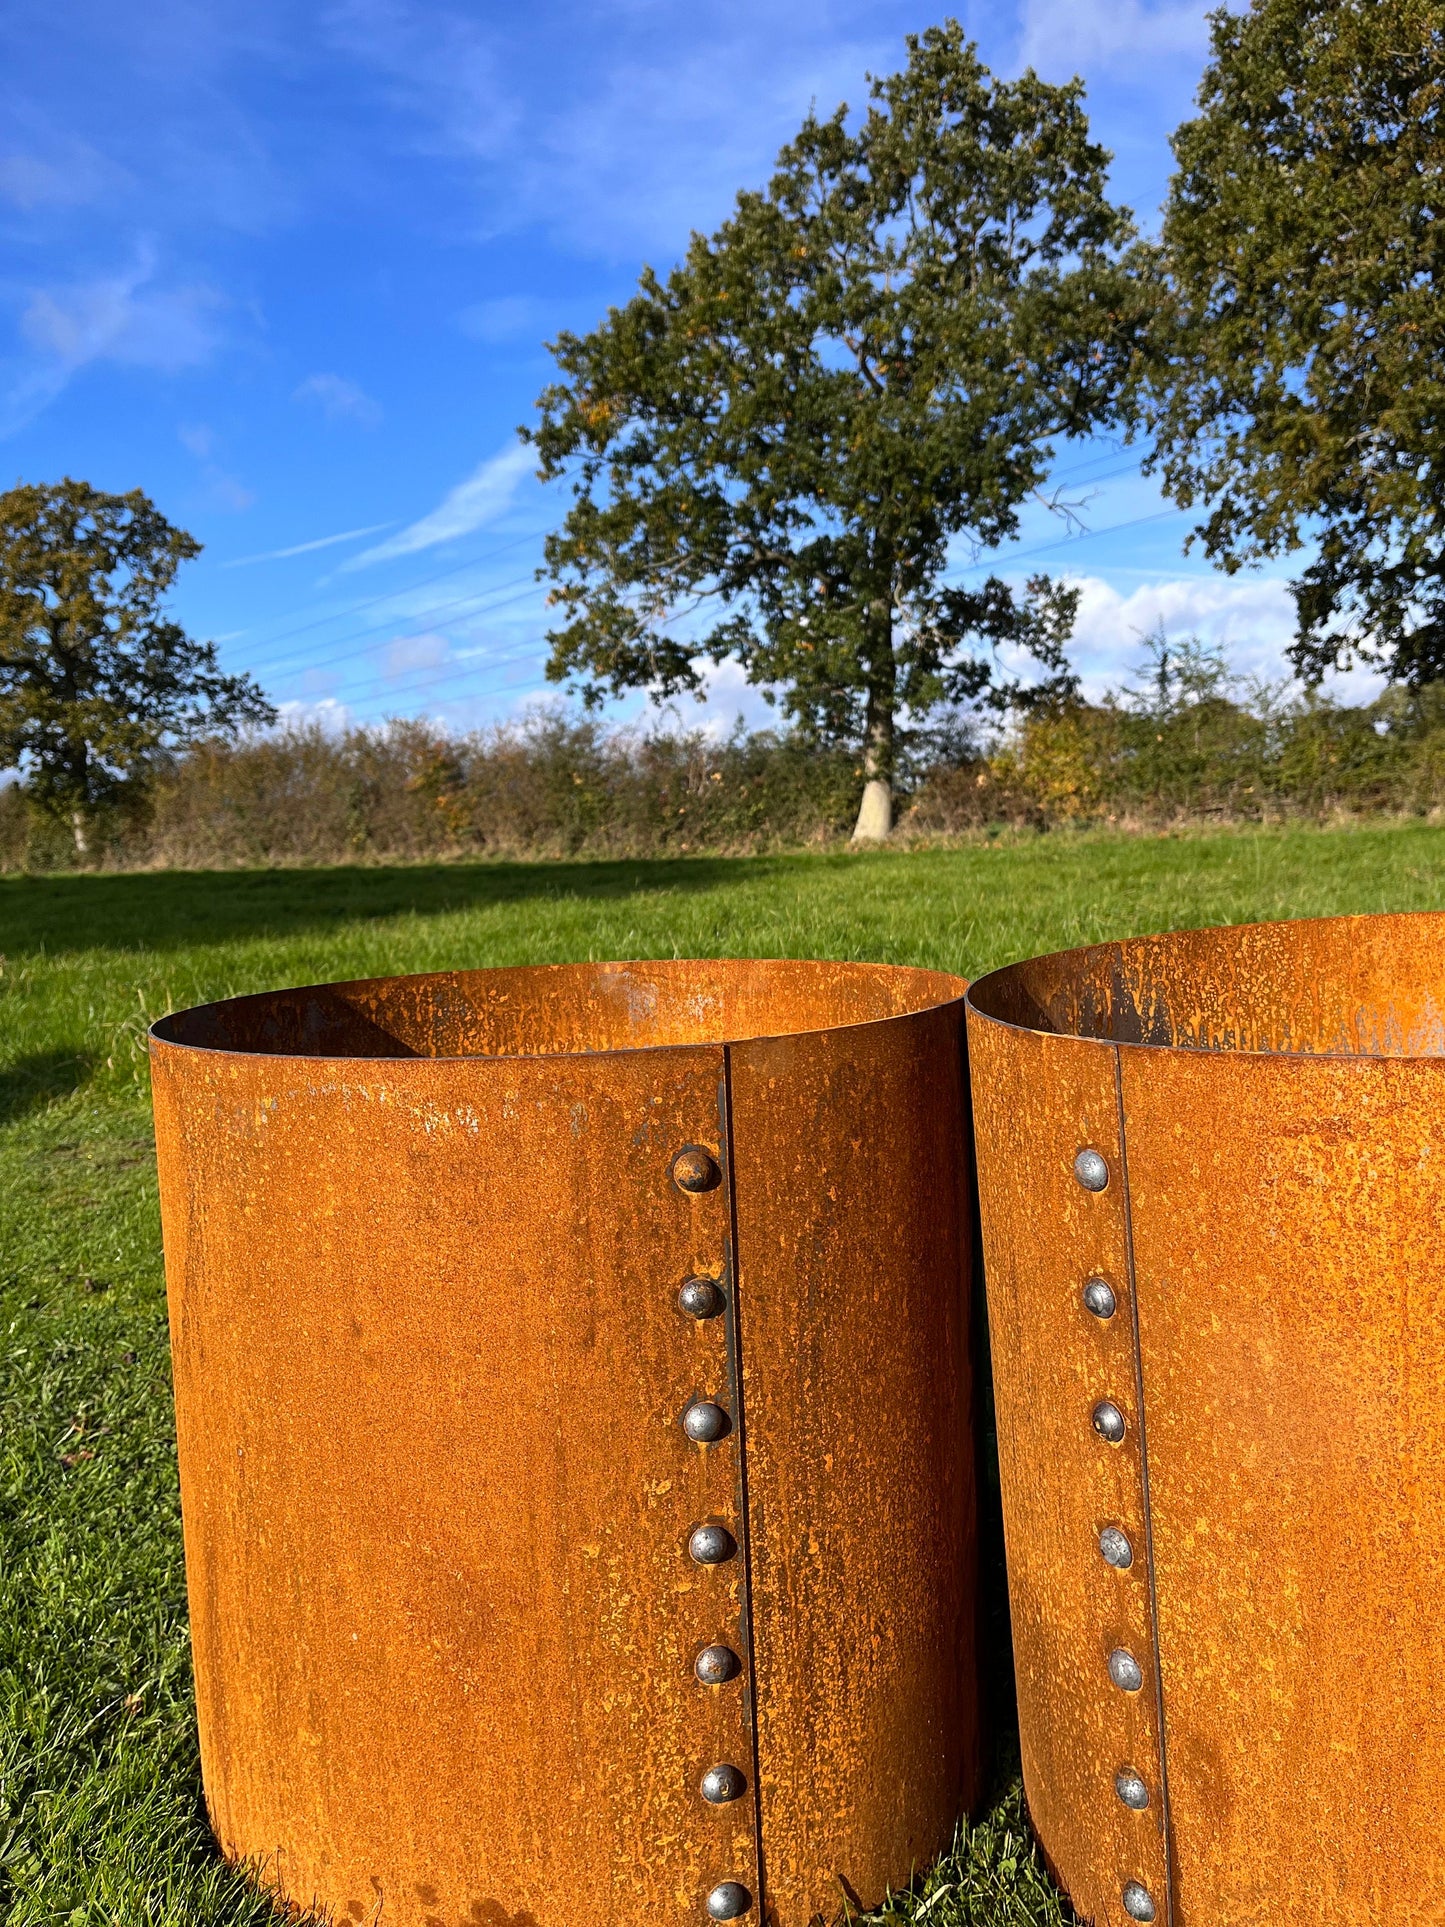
point(853, 1221)
point(424, 1244)
point(1271, 1105)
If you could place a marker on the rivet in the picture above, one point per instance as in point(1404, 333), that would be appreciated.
point(1124, 1670)
point(712, 1545)
point(1099, 1298)
point(694, 1170)
point(1091, 1170)
point(731, 1901)
point(1116, 1548)
point(1138, 1901)
point(721, 1784)
point(701, 1298)
point(705, 1422)
point(716, 1665)
point(1108, 1421)
point(1131, 1789)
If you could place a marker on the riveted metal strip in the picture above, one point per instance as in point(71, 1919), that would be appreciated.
point(1061, 1317)
point(1148, 1516)
point(736, 1391)
point(720, 1804)
point(852, 1200)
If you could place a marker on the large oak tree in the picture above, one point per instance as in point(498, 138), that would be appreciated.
point(1300, 388)
point(95, 679)
point(778, 450)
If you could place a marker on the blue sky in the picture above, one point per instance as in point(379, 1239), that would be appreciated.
point(289, 270)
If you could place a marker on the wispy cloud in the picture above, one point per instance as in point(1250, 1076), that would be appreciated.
point(127, 316)
point(506, 318)
point(1062, 36)
point(225, 491)
point(307, 548)
point(485, 495)
point(642, 135)
point(405, 654)
point(71, 174)
point(339, 399)
point(434, 64)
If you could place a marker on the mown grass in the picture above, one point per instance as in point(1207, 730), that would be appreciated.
point(101, 1818)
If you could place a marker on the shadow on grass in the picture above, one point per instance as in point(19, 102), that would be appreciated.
point(30, 1083)
point(166, 909)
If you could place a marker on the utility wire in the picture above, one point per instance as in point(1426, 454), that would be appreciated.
point(424, 582)
point(505, 548)
point(273, 663)
point(1002, 560)
point(485, 665)
point(476, 601)
point(483, 603)
point(425, 683)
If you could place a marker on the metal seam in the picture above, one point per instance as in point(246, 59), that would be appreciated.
point(1144, 1484)
point(725, 1096)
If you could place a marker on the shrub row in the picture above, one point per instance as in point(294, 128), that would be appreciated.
point(553, 787)
point(558, 786)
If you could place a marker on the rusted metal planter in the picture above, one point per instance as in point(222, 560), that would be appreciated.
point(1212, 1181)
point(574, 1421)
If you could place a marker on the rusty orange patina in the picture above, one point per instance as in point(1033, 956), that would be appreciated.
point(1269, 1107)
point(425, 1244)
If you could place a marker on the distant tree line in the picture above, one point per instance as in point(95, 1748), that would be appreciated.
point(778, 452)
point(1188, 746)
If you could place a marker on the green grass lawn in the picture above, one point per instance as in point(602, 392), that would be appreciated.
point(100, 1810)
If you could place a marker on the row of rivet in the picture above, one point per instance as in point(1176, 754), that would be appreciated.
point(706, 1422)
point(1091, 1169)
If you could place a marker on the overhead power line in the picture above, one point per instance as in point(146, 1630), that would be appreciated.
point(423, 582)
point(477, 602)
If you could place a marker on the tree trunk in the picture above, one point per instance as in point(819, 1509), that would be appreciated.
point(875, 812)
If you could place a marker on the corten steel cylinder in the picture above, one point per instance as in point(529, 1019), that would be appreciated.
point(574, 1423)
point(1212, 1183)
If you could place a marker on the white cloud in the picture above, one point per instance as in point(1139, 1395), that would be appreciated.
point(407, 653)
point(325, 712)
point(1065, 36)
point(484, 496)
point(223, 489)
point(72, 175)
point(124, 317)
point(647, 132)
point(505, 318)
point(1250, 618)
point(307, 548)
point(658, 148)
point(339, 399)
point(435, 64)
point(227, 493)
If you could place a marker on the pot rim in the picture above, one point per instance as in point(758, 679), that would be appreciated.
point(167, 1032)
point(1105, 970)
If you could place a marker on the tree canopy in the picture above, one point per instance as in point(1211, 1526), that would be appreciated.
point(775, 449)
point(95, 680)
point(1300, 391)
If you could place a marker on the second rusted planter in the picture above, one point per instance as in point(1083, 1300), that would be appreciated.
point(1212, 1182)
point(573, 1404)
